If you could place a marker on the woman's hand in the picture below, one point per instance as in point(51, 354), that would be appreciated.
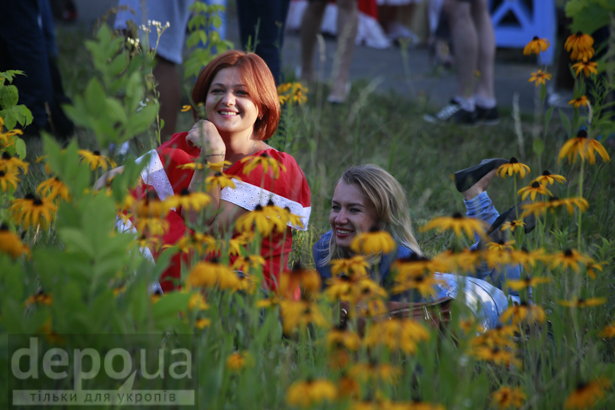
point(205, 136)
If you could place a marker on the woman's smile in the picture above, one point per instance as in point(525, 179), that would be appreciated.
point(351, 212)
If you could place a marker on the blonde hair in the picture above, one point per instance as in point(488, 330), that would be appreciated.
point(389, 200)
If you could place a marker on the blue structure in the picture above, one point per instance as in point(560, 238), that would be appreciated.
point(516, 22)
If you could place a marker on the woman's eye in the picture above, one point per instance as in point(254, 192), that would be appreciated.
point(216, 90)
point(355, 210)
point(335, 207)
point(241, 92)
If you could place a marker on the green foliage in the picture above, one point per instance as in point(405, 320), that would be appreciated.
point(589, 15)
point(11, 112)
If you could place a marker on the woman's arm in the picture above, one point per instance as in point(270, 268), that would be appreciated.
point(102, 181)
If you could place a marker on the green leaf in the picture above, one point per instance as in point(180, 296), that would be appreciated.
point(548, 116)
point(8, 96)
point(565, 122)
point(539, 146)
point(20, 148)
point(543, 93)
point(587, 17)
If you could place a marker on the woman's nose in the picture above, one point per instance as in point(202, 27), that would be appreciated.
point(228, 99)
point(341, 217)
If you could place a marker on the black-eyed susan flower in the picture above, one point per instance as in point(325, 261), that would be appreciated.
point(220, 180)
point(292, 92)
point(186, 108)
point(202, 323)
point(154, 226)
point(458, 224)
point(527, 258)
point(499, 336)
point(218, 166)
point(592, 267)
point(396, 334)
point(587, 67)
point(500, 245)
point(12, 163)
point(512, 225)
point(583, 54)
point(340, 288)
point(354, 266)
point(8, 179)
point(151, 206)
point(416, 265)
point(276, 216)
point(265, 161)
point(578, 40)
point(196, 242)
point(348, 387)
point(497, 256)
point(424, 283)
point(373, 242)
point(96, 160)
point(532, 190)
point(506, 397)
point(523, 313)
point(147, 241)
point(310, 392)
point(583, 147)
point(239, 360)
point(470, 325)
point(248, 263)
point(536, 46)
point(32, 211)
point(569, 258)
point(582, 303)
point(578, 102)
point(53, 188)
point(548, 178)
point(513, 167)
point(570, 203)
point(248, 283)
point(539, 77)
point(342, 337)
point(11, 244)
point(235, 245)
point(39, 298)
point(308, 280)
point(585, 395)
point(299, 314)
point(272, 301)
point(372, 307)
point(374, 371)
point(257, 218)
point(608, 331)
point(7, 138)
point(192, 166)
point(365, 288)
point(197, 302)
point(496, 355)
point(190, 201)
point(463, 261)
point(527, 282)
point(287, 217)
point(211, 274)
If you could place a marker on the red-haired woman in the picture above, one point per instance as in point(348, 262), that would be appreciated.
point(242, 110)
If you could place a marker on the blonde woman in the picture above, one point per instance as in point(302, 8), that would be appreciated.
point(367, 197)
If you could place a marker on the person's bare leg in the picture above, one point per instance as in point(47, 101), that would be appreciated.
point(310, 26)
point(167, 80)
point(486, 48)
point(347, 25)
point(465, 44)
point(479, 187)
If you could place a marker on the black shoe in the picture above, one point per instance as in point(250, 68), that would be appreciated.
point(453, 114)
point(465, 178)
point(487, 116)
point(495, 232)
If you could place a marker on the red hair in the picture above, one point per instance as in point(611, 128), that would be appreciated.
point(258, 80)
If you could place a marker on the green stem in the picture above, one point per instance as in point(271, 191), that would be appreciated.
point(579, 211)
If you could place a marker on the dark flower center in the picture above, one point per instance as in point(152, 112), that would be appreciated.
point(546, 173)
point(457, 215)
point(513, 160)
point(345, 278)
point(6, 155)
point(374, 229)
point(264, 155)
point(258, 208)
point(535, 185)
point(97, 153)
point(151, 196)
point(218, 174)
point(185, 192)
point(29, 196)
point(553, 198)
point(270, 203)
point(535, 38)
point(580, 301)
point(297, 267)
point(37, 202)
point(501, 242)
point(2, 174)
point(307, 311)
point(4, 227)
point(568, 253)
point(582, 134)
point(579, 34)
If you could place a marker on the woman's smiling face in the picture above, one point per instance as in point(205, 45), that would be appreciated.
point(352, 212)
point(229, 105)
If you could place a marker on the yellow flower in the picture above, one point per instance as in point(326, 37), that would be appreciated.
point(192, 165)
point(348, 387)
point(373, 242)
point(96, 160)
point(11, 244)
point(7, 138)
point(7, 179)
point(577, 102)
point(586, 394)
point(592, 266)
point(151, 207)
point(510, 226)
point(287, 217)
point(258, 218)
point(40, 298)
point(500, 245)
point(340, 288)
point(536, 46)
point(608, 331)
point(186, 108)
point(220, 180)
point(218, 166)
point(469, 325)
point(374, 371)
point(248, 264)
point(538, 208)
point(365, 288)
point(150, 242)
point(513, 167)
point(310, 392)
point(272, 301)
point(277, 216)
point(581, 46)
point(299, 314)
point(527, 282)
point(416, 265)
point(582, 54)
point(264, 161)
point(190, 201)
point(496, 355)
point(526, 258)
point(202, 323)
point(539, 77)
point(197, 242)
point(239, 360)
point(523, 313)
point(354, 266)
point(506, 397)
point(197, 301)
point(500, 336)
point(294, 92)
point(532, 190)
point(458, 224)
point(53, 188)
point(464, 261)
point(306, 279)
point(342, 337)
point(423, 282)
point(588, 67)
point(582, 303)
point(395, 334)
point(496, 257)
point(584, 147)
point(12, 164)
point(152, 226)
point(212, 274)
point(548, 178)
point(31, 211)
point(570, 258)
